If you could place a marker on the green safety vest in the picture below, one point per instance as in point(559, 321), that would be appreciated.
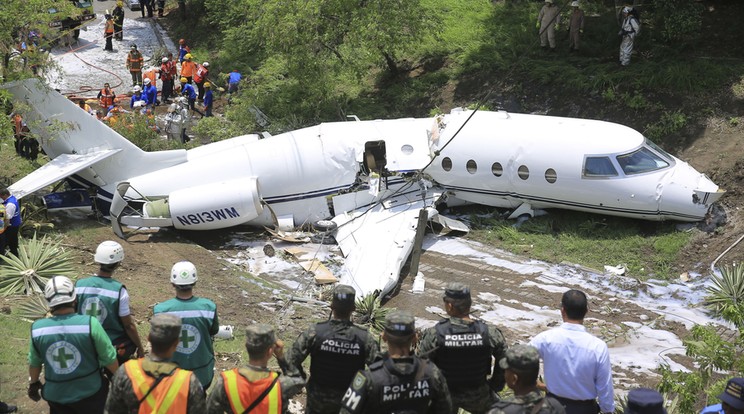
point(71, 368)
point(99, 296)
point(199, 323)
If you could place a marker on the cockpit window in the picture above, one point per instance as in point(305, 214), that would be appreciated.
point(659, 151)
point(599, 167)
point(640, 161)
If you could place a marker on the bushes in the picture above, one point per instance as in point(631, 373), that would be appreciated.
point(678, 20)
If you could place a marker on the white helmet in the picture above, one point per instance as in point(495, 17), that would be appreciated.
point(574, 4)
point(205, 64)
point(137, 88)
point(183, 273)
point(627, 9)
point(109, 252)
point(164, 60)
point(147, 81)
point(59, 290)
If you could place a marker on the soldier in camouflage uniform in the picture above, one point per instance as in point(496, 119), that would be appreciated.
point(462, 348)
point(158, 376)
point(338, 349)
point(256, 388)
point(401, 382)
point(522, 365)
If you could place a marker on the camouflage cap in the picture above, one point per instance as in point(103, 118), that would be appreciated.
point(457, 290)
point(521, 358)
point(645, 401)
point(400, 323)
point(344, 296)
point(165, 327)
point(733, 394)
point(259, 336)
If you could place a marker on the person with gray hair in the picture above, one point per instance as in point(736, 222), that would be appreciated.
point(155, 381)
point(256, 388)
point(464, 349)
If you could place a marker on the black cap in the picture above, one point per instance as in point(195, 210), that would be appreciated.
point(400, 323)
point(733, 394)
point(344, 296)
point(521, 358)
point(645, 401)
point(457, 290)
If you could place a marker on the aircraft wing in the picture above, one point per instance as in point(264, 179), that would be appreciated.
point(378, 237)
point(61, 167)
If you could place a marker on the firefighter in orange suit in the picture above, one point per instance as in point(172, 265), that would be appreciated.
point(159, 384)
point(255, 388)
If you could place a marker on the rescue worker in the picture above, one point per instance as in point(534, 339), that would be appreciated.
point(134, 64)
point(177, 120)
point(161, 7)
point(138, 96)
point(400, 382)
point(188, 68)
point(188, 91)
point(338, 349)
point(19, 131)
point(85, 107)
point(195, 351)
point(548, 21)
point(183, 49)
point(521, 367)
point(72, 348)
point(630, 28)
point(107, 299)
point(151, 93)
point(12, 223)
point(106, 96)
point(462, 349)
point(254, 388)
point(118, 15)
point(166, 77)
point(200, 76)
point(232, 81)
point(575, 26)
point(108, 32)
point(154, 383)
point(208, 99)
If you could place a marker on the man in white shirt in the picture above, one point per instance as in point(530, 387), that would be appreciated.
point(576, 363)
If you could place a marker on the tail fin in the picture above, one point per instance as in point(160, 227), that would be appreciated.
point(81, 144)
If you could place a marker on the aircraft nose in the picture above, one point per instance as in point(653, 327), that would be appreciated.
point(688, 193)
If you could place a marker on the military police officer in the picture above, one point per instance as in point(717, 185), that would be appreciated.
point(462, 348)
point(522, 365)
point(195, 350)
point(155, 383)
point(338, 349)
point(256, 388)
point(72, 348)
point(400, 382)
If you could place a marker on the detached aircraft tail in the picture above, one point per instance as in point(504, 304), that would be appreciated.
point(80, 147)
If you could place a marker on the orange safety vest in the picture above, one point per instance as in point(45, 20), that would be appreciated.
point(150, 74)
point(18, 120)
point(200, 74)
point(109, 27)
point(241, 393)
point(107, 98)
point(188, 69)
point(170, 396)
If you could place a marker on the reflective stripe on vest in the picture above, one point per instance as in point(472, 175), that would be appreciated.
point(241, 393)
point(170, 396)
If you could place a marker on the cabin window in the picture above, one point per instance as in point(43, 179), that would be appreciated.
point(471, 166)
point(446, 164)
point(497, 169)
point(599, 167)
point(407, 149)
point(523, 172)
point(641, 161)
point(551, 176)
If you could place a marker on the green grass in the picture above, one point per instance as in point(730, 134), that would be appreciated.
point(14, 358)
point(647, 249)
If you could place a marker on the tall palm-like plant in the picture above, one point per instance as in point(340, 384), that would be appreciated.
point(726, 294)
point(37, 261)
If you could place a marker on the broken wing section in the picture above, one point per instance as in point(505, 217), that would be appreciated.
point(61, 167)
point(376, 238)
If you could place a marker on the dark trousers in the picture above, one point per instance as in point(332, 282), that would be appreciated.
point(109, 45)
point(208, 110)
point(192, 106)
point(161, 7)
point(9, 240)
point(200, 88)
point(136, 77)
point(93, 404)
point(167, 89)
point(577, 406)
point(119, 31)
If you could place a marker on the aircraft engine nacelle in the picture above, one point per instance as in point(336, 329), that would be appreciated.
point(212, 206)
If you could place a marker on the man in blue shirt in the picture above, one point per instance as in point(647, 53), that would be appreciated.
point(233, 80)
point(151, 93)
point(137, 97)
point(9, 238)
point(576, 363)
point(208, 99)
point(732, 399)
point(188, 91)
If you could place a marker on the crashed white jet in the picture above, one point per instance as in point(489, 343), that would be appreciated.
point(372, 178)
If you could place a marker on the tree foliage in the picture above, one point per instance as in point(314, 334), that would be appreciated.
point(678, 20)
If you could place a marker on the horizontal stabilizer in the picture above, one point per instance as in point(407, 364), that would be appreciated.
point(61, 167)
